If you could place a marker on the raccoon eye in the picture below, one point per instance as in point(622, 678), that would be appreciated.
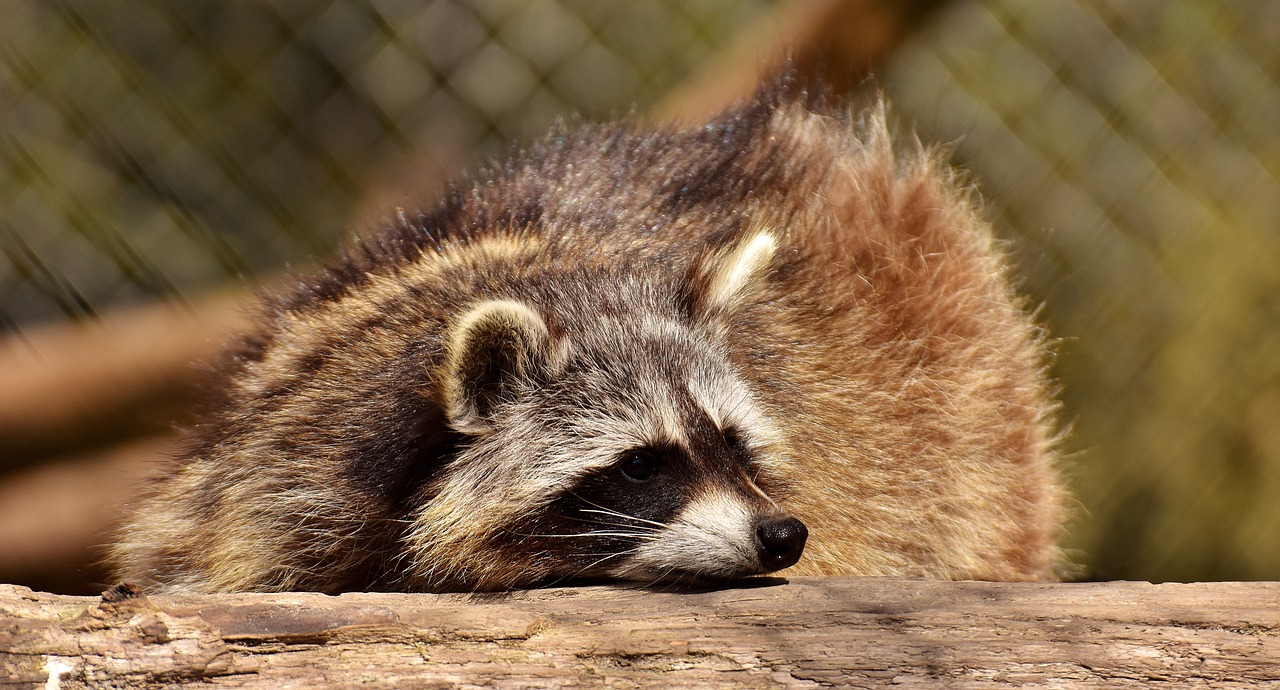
point(733, 439)
point(640, 465)
point(741, 449)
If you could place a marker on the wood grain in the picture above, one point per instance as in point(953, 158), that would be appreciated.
point(806, 632)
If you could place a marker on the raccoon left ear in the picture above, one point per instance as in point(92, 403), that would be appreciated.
point(722, 280)
point(492, 348)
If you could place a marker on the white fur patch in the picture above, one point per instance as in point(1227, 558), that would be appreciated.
point(740, 267)
point(714, 536)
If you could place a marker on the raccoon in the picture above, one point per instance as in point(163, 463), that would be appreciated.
point(634, 353)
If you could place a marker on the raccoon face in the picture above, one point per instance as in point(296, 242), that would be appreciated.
point(625, 447)
point(677, 484)
point(666, 512)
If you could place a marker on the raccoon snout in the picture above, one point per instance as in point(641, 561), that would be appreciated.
point(780, 541)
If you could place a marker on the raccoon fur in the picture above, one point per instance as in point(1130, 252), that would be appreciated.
point(634, 353)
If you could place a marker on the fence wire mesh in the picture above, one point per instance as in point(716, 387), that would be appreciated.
point(1133, 148)
point(1130, 148)
point(158, 146)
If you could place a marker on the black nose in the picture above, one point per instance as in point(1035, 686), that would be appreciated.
point(780, 541)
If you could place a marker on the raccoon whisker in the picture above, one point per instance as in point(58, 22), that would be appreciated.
point(627, 526)
point(600, 560)
point(579, 571)
point(623, 525)
point(666, 583)
point(614, 513)
point(647, 536)
point(605, 510)
point(664, 579)
point(638, 536)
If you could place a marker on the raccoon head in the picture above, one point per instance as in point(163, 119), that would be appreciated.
point(608, 435)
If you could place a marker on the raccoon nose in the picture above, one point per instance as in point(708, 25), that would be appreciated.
point(780, 541)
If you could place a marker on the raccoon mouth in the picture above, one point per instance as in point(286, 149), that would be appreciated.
point(689, 554)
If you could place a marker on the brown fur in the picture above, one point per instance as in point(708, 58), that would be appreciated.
point(911, 421)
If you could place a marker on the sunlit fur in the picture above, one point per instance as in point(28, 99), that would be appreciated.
point(712, 536)
point(800, 319)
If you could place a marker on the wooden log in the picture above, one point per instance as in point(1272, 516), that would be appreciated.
point(806, 632)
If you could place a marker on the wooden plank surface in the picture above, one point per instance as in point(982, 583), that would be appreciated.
point(805, 632)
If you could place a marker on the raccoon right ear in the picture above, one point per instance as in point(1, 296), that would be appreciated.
point(721, 281)
point(493, 348)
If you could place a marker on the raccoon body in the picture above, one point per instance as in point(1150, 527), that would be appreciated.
point(641, 354)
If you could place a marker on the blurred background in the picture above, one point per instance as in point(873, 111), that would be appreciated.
point(159, 160)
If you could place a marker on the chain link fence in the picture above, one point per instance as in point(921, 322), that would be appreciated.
point(1133, 149)
point(156, 147)
point(1130, 149)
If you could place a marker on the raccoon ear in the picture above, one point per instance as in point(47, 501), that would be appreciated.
point(721, 281)
point(490, 350)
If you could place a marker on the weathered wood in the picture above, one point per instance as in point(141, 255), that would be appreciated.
point(803, 633)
